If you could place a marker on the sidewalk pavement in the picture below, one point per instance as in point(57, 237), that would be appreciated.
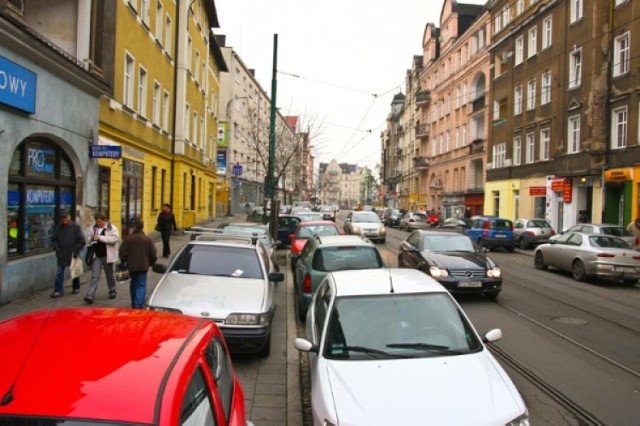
point(271, 385)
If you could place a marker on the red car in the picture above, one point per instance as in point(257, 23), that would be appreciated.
point(306, 230)
point(115, 366)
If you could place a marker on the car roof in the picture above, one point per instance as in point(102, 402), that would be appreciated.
point(365, 282)
point(437, 231)
point(343, 240)
point(92, 363)
point(317, 222)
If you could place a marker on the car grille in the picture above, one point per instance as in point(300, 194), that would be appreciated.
point(468, 273)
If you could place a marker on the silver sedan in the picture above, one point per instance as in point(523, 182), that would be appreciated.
point(590, 255)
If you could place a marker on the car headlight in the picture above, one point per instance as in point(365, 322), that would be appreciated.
point(383, 230)
point(438, 273)
point(494, 272)
point(522, 420)
point(247, 319)
point(356, 228)
point(163, 309)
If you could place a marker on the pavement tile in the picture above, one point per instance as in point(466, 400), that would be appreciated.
point(268, 414)
point(266, 400)
point(268, 378)
point(270, 389)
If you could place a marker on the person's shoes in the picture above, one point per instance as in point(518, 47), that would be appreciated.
point(88, 300)
point(75, 291)
point(112, 295)
point(56, 294)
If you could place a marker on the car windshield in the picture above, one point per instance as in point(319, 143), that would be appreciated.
point(606, 241)
point(538, 224)
point(419, 216)
point(438, 243)
point(365, 217)
point(326, 209)
point(398, 325)
point(618, 231)
point(214, 260)
point(309, 216)
point(248, 231)
point(501, 224)
point(306, 232)
point(329, 259)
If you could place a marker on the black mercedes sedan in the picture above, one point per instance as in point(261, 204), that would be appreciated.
point(453, 260)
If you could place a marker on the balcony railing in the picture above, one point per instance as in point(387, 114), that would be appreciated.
point(422, 130)
point(423, 97)
point(16, 7)
point(476, 146)
point(477, 104)
point(420, 163)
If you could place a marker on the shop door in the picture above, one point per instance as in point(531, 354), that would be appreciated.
point(131, 195)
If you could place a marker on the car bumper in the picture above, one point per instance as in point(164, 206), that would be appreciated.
point(246, 340)
point(471, 286)
point(615, 272)
point(499, 242)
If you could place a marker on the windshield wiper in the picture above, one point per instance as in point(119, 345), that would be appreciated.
point(427, 347)
point(371, 351)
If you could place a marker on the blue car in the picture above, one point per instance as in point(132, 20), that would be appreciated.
point(491, 232)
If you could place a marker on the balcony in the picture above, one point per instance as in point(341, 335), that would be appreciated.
point(478, 104)
point(420, 163)
point(423, 97)
point(476, 146)
point(422, 131)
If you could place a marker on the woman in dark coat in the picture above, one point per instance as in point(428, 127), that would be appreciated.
point(166, 225)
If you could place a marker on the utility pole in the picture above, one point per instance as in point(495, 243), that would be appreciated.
point(269, 183)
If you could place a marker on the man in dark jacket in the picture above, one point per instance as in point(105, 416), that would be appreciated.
point(138, 253)
point(67, 241)
point(166, 224)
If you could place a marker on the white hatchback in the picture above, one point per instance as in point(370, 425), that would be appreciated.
point(391, 346)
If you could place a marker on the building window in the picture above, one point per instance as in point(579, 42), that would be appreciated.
point(575, 68)
point(500, 109)
point(499, 154)
point(517, 100)
point(619, 2)
point(194, 131)
point(619, 128)
point(621, 54)
point(464, 93)
point(497, 24)
point(517, 150)
point(545, 88)
point(457, 137)
point(458, 94)
point(519, 50)
point(547, 32)
point(496, 202)
point(168, 33)
point(142, 91)
point(166, 107)
point(464, 134)
point(573, 136)
point(156, 103)
point(531, 148)
point(129, 66)
point(189, 53)
point(519, 7)
point(545, 140)
point(159, 21)
point(575, 11)
point(154, 187)
point(506, 15)
point(531, 94)
point(533, 42)
point(196, 66)
point(144, 12)
point(185, 124)
point(41, 182)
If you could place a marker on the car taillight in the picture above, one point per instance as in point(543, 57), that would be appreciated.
point(605, 255)
point(487, 225)
point(411, 220)
point(553, 232)
point(636, 257)
point(306, 284)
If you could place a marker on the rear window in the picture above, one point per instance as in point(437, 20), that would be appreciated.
point(618, 231)
point(320, 230)
point(602, 241)
point(420, 216)
point(501, 224)
point(539, 224)
point(223, 261)
point(331, 259)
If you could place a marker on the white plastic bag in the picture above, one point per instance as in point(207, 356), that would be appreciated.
point(76, 267)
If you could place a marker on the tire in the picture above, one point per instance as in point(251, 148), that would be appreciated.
point(577, 270)
point(482, 244)
point(383, 241)
point(266, 349)
point(492, 296)
point(630, 283)
point(538, 261)
point(523, 244)
point(511, 249)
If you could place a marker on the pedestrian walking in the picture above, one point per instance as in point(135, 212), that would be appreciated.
point(166, 225)
point(138, 253)
point(467, 213)
point(634, 229)
point(103, 239)
point(67, 241)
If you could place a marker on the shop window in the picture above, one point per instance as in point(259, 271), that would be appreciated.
point(41, 182)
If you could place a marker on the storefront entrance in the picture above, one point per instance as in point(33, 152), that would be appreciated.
point(132, 179)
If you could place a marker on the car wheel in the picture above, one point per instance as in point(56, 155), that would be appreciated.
point(578, 271)
point(630, 283)
point(266, 349)
point(382, 241)
point(523, 243)
point(483, 245)
point(492, 296)
point(511, 249)
point(538, 261)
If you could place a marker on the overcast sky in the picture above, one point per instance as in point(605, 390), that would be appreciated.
point(343, 51)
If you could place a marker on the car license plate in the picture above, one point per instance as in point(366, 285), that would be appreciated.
point(470, 284)
point(501, 236)
point(625, 269)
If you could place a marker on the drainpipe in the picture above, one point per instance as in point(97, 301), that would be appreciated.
point(175, 105)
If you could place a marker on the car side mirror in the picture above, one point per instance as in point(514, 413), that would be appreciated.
point(159, 268)
point(303, 345)
point(276, 277)
point(492, 335)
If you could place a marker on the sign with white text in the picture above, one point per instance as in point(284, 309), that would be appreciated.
point(17, 86)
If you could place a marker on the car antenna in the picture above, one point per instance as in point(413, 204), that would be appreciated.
point(390, 282)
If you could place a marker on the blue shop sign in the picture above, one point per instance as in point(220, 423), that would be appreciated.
point(17, 86)
point(105, 151)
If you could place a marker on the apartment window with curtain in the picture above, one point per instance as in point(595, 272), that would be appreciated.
point(499, 155)
point(545, 88)
point(519, 7)
point(531, 94)
point(517, 150)
point(168, 34)
point(517, 100)
point(545, 144)
point(575, 68)
point(573, 134)
point(142, 91)
point(619, 128)
point(621, 54)
point(159, 22)
point(156, 103)
point(144, 11)
point(166, 107)
point(533, 42)
point(531, 148)
point(506, 14)
point(547, 32)
point(519, 53)
point(129, 67)
point(575, 10)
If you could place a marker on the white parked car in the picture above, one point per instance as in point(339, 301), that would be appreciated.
point(229, 280)
point(392, 347)
point(367, 224)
